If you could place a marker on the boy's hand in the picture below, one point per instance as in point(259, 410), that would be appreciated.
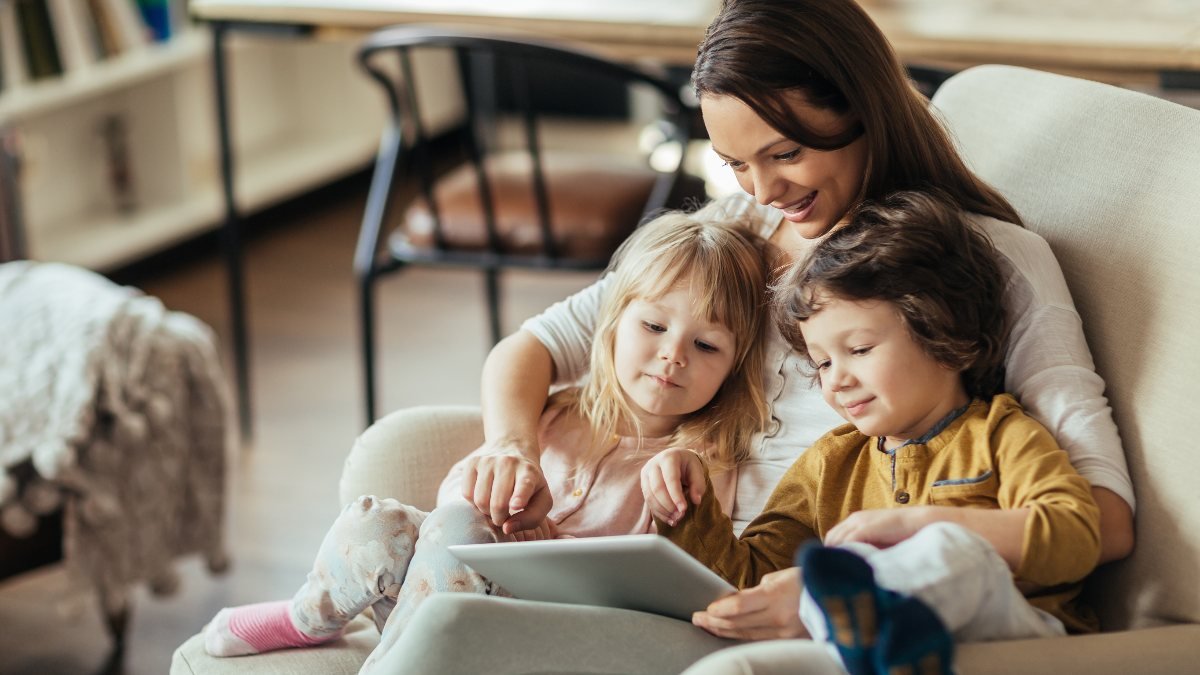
point(669, 480)
point(768, 611)
point(880, 528)
point(510, 488)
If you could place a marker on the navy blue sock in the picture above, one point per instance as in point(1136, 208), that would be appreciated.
point(843, 586)
point(913, 641)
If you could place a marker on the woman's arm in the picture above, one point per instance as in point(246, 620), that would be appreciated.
point(506, 480)
point(1049, 369)
point(1116, 525)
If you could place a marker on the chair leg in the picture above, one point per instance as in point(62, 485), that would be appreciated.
point(118, 628)
point(491, 276)
point(365, 254)
point(367, 314)
point(116, 611)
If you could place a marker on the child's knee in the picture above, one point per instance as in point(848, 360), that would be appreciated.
point(458, 522)
point(385, 527)
point(382, 515)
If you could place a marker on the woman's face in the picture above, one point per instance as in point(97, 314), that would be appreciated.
point(813, 188)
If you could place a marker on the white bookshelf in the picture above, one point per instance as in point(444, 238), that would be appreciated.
point(302, 115)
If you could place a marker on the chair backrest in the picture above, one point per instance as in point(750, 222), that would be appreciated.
point(1111, 179)
point(507, 82)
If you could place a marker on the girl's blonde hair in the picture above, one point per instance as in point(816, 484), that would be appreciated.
point(724, 264)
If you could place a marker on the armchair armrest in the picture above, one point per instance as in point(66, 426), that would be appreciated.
point(406, 454)
point(1163, 649)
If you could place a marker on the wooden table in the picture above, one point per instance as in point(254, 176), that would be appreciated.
point(664, 30)
point(1116, 41)
point(1133, 47)
point(1109, 43)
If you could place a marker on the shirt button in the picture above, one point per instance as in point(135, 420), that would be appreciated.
point(901, 497)
point(577, 492)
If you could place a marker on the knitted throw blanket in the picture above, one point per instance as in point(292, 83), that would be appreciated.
point(116, 410)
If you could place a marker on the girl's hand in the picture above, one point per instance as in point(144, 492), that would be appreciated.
point(768, 611)
point(880, 528)
point(509, 487)
point(544, 530)
point(669, 480)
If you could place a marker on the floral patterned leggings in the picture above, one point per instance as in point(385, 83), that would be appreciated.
point(390, 557)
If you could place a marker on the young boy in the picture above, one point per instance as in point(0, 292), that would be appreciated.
point(946, 512)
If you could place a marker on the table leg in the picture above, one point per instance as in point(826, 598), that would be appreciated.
point(232, 233)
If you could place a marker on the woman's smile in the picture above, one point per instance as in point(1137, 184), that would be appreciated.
point(799, 211)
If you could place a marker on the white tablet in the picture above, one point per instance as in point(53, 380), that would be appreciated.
point(645, 572)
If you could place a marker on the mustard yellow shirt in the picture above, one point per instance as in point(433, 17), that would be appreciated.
point(993, 456)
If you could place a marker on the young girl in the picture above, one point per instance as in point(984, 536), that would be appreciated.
point(676, 362)
point(898, 313)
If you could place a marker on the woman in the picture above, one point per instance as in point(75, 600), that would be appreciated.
point(807, 104)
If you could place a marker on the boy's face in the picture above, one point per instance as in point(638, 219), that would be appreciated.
point(669, 362)
point(874, 374)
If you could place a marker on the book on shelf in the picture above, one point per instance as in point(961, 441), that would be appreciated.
point(104, 29)
point(13, 71)
point(41, 48)
point(76, 44)
point(125, 21)
point(157, 16)
point(41, 39)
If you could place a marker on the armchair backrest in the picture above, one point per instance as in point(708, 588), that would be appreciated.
point(1111, 179)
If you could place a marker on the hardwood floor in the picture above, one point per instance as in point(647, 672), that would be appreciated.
point(307, 410)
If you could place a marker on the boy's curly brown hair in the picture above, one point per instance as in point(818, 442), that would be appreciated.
point(919, 253)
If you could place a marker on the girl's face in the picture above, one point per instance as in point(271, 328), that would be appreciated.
point(874, 374)
point(813, 188)
point(669, 362)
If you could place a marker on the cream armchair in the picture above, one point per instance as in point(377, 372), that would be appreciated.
point(1111, 179)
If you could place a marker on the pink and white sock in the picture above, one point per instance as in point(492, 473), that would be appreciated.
point(253, 629)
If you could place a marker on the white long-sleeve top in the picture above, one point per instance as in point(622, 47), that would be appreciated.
point(1049, 367)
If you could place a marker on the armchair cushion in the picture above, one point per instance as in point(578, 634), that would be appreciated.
point(344, 656)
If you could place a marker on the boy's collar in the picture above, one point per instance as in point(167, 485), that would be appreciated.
point(928, 435)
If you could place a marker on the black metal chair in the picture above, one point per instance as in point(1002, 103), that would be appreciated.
point(502, 207)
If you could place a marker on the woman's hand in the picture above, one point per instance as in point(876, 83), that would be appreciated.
point(669, 480)
point(768, 611)
point(508, 486)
